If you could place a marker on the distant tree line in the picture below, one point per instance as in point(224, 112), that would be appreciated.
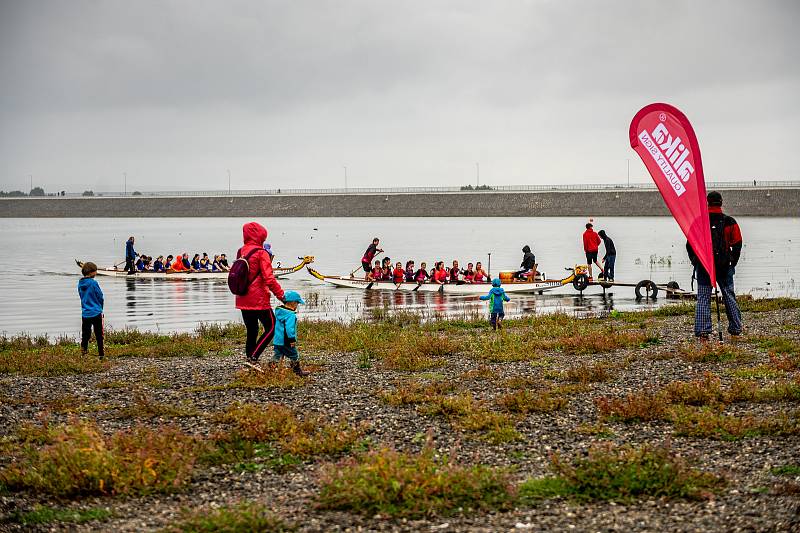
point(476, 188)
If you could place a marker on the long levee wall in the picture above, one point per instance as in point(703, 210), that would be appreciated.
point(777, 202)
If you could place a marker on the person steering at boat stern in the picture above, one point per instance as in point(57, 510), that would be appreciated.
point(130, 256)
point(496, 297)
point(726, 242)
point(285, 341)
point(369, 255)
point(527, 265)
point(255, 305)
point(91, 308)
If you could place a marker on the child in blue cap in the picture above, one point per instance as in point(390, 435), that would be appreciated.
point(496, 298)
point(286, 332)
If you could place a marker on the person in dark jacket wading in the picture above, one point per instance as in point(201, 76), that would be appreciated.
point(610, 258)
point(255, 305)
point(726, 242)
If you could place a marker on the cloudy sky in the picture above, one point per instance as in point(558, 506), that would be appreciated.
point(285, 94)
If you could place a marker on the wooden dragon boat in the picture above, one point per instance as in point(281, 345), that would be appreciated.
point(280, 272)
point(510, 285)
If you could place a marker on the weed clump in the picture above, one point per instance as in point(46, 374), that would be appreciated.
point(392, 483)
point(712, 352)
point(244, 517)
point(47, 360)
point(622, 474)
point(78, 460)
point(41, 514)
point(708, 423)
point(584, 373)
point(527, 401)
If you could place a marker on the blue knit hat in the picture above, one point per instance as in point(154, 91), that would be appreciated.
point(496, 282)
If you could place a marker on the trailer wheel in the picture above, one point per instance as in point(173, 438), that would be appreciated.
point(580, 282)
point(650, 290)
point(605, 284)
point(674, 286)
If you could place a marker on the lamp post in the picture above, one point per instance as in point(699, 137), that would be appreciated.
point(124, 184)
point(345, 178)
point(477, 175)
point(31, 178)
point(229, 181)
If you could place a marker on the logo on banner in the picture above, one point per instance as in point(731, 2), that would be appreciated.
point(670, 155)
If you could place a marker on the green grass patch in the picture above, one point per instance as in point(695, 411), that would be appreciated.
point(390, 483)
point(49, 360)
point(785, 470)
point(621, 474)
point(713, 352)
point(241, 518)
point(760, 305)
point(708, 423)
point(533, 401)
point(41, 514)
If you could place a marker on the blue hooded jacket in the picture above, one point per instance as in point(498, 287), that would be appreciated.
point(130, 253)
point(91, 298)
point(496, 297)
point(285, 327)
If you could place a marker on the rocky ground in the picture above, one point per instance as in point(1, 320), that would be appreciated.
point(343, 386)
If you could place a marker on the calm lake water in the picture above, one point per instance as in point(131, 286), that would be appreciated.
point(38, 277)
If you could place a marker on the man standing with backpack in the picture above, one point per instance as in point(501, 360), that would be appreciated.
point(726, 242)
point(252, 281)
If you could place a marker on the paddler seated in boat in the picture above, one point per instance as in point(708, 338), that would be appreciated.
point(369, 255)
point(469, 274)
point(422, 274)
point(168, 263)
point(439, 274)
point(195, 262)
point(409, 273)
point(215, 266)
point(178, 265)
point(386, 269)
point(158, 264)
point(527, 266)
point(223, 262)
point(143, 263)
point(205, 263)
point(375, 273)
point(480, 275)
point(455, 273)
point(398, 274)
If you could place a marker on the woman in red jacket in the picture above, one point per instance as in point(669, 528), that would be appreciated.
point(255, 305)
point(399, 274)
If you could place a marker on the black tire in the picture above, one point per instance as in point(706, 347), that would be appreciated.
point(674, 286)
point(580, 282)
point(605, 284)
point(650, 290)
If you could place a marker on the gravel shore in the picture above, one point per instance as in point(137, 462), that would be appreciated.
point(754, 499)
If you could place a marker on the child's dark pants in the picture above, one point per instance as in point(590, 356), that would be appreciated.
point(87, 324)
point(495, 319)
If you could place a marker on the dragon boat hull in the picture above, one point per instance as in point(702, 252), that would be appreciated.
point(185, 276)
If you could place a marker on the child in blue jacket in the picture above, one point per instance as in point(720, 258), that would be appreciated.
point(91, 308)
point(496, 298)
point(285, 339)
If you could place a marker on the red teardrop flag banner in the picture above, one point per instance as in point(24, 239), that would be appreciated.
point(665, 140)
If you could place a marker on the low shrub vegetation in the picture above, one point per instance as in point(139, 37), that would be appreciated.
point(78, 460)
point(711, 424)
point(49, 360)
point(241, 518)
point(532, 401)
point(391, 483)
point(41, 514)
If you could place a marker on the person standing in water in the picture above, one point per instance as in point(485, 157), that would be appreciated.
point(610, 258)
point(591, 244)
point(130, 256)
point(256, 305)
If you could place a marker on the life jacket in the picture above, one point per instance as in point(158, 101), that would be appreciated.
point(399, 275)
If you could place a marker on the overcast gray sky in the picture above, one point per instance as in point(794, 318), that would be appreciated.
point(284, 94)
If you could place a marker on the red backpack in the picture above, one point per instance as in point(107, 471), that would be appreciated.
point(239, 275)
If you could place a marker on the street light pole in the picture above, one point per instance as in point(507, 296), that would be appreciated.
point(629, 172)
point(345, 178)
point(125, 183)
point(229, 181)
point(477, 175)
point(31, 178)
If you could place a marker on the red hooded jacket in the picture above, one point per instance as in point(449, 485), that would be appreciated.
point(591, 241)
point(258, 294)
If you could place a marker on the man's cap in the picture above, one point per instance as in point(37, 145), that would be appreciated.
point(293, 296)
point(714, 198)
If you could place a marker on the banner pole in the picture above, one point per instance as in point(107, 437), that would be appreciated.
point(719, 316)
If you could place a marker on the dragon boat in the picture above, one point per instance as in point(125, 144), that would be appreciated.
point(537, 284)
point(278, 270)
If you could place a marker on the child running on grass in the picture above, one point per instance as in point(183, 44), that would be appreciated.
point(286, 332)
point(91, 308)
point(496, 298)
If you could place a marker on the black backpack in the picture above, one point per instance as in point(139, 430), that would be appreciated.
point(239, 275)
point(722, 252)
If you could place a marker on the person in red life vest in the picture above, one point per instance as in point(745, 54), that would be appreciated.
point(386, 269)
point(177, 265)
point(439, 274)
point(480, 275)
point(409, 273)
point(455, 272)
point(591, 244)
point(256, 305)
point(469, 274)
point(726, 243)
point(375, 275)
point(369, 255)
point(398, 274)
point(422, 274)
